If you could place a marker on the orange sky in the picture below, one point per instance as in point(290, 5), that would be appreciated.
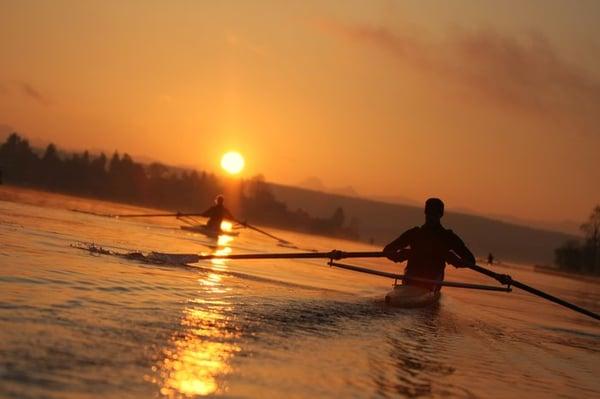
point(493, 106)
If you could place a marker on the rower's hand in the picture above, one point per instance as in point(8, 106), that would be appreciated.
point(391, 255)
point(389, 252)
point(389, 248)
point(457, 261)
point(504, 279)
point(397, 256)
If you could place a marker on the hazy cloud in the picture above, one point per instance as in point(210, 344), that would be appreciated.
point(29, 91)
point(525, 72)
point(25, 89)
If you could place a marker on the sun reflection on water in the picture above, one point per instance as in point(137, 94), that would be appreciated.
point(200, 353)
point(223, 241)
point(199, 356)
point(226, 226)
point(220, 264)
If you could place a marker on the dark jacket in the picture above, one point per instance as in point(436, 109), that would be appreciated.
point(215, 215)
point(430, 248)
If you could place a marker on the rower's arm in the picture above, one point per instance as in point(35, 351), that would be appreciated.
point(208, 213)
point(396, 247)
point(464, 254)
point(228, 215)
point(453, 259)
point(400, 256)
point(401, 242)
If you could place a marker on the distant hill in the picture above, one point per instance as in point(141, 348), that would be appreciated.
point(563, 226)
point(315, 184)
point(384, 221)
point(395, 199)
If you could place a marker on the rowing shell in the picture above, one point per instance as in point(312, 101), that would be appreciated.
point(209, 232)
point(410, 296)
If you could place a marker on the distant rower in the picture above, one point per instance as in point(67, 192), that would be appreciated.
point(216, 214)
point(431, 247)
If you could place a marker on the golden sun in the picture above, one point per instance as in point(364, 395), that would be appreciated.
point(232, 162)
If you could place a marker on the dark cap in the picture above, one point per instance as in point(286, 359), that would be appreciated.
point(434, 206)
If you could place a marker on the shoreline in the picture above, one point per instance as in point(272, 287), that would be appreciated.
point(575, 276)
point(10, 192)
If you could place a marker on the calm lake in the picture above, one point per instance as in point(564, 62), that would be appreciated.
point(77, 324)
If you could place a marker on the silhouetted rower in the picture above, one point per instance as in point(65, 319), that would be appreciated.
point(490, 258)
point(216, 214)
point(431, 247)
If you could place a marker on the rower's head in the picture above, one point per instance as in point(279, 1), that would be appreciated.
point(219, 199)
point(434, 210)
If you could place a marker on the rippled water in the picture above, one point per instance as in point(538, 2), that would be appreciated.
point(77, 324)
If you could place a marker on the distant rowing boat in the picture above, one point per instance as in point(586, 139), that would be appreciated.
point(192, 224)
point(202, 229)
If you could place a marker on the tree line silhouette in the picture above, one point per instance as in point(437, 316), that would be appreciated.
point(582, 256)
point(154, 185)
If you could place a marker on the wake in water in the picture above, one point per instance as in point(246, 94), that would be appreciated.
point(190, 261)
point(154, 258)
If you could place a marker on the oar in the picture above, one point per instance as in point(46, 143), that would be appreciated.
point(416, 279)
point(340, 255)
point(137, 215)
point(92, 213)
point(332, 255)
point(506, 279)
point(154, 215)
point(337, 255)
point(281, 240)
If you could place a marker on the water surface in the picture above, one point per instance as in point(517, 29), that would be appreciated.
point(78, 324)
